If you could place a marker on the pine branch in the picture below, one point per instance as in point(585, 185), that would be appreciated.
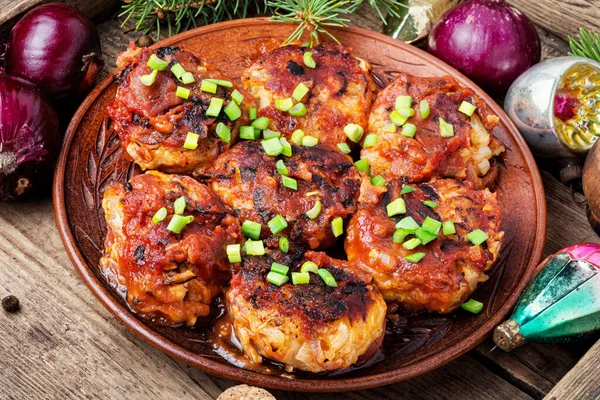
point(586, 44)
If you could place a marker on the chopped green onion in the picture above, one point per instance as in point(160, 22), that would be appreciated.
point(344, 148)
point(182, 92)
point(234, 253)
point(191, 141)
point(477, 237)
point(411, 244)
point(156, 63)
point(378, 181)
point(277, 279)
point(179, 205)
point(299, 110)
point(309, 266)
point(315, 210)
point(297, 136)
point(308, 60)
point(277, 224)
point(237, 96)
point(446, 129)
point(248, 132)
point(399, 235)
point(408, 224)
point(448, 228)
point(300, 278)
point(425, 236)
point(313, 193)
point(407, 189)
point(403, 102)
point(254, 248)
point(251, 229)
point(289, 183)
point(424, 109)
point(337, 226)
point(472, 306)
point(406, 112)
point(214, 108)
point(396, 207)
point(284, 244)
point(284, 104)
point(221, 82)
point(354, 132)
point(397, 119)
point(415, 257)
point(268, 134)
point(252, 113)
point(281, 168)
point(363, 165)
point(208, 87)
point(148, 80)
point(177, 70)
point(327, 277)
point(467, 108)
point(280, 268)
point(287, 148)
point(409, 130)
point(370, 140)
point(430, 204)
point(187, 78)
point(223, 132)
point(261, 123)
point(272, 146)
point(160, 215)
point(300, 91)
point(431, 225)
point(178, 223)
point(389, 128)
point(232, 111)
point(309, 141)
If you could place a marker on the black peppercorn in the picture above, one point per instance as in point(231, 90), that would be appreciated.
point(10, 304)
point(144, 41)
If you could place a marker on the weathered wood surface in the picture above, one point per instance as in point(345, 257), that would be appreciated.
point(64, 344)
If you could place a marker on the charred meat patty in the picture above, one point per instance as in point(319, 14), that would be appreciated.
point(153, 122)
point(248, 181)
point(166, 274)
point(452, 265)
point(466, 153)
point(337, 90)
point(311, 327)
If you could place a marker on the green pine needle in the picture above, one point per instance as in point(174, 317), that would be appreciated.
point(586, 44)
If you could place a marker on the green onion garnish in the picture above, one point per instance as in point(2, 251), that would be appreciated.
point(248, 132)
point(425, 236)
point(297, 136)
point(313, 193)
point(148, 80)
point(280, 268)
point(448, 228)
point(178, 223)
point(160, 215)
point(430, 204)
point(287, 148)
point(252, 113)
point(363, 165)
point(232, 111)
point(389, 128)
point(179, 205)
point(354, 132)
point(378, 181)
point(309, 141)
point(251, 229)
point(477, 237)
point(411, 244)
point(396, 207)
point(214, 107)
point(191, 141)
point(309, 266)
point(281, 168)
point(300, 278)
point(370, 140)
point(315, 210)
point(424, 109)
point(344, 148)
point(237, 96)
point(254, 248)
point(268, 134)
point(221, 82)
point(397, 119)
point(182, 92)
point(408, 224)
point(300, 91)
point(308, 60)
point(261, 123)
point(406, 112)
point(177, 70)
point(407, 189)
point(284, 244)
point(187, 78)
point(272, 146)
point(446, 129)
point(472, 306)
point(284, 104)
point(403, 102)
point(234, 253)
point(415, 257)
point(223, 132)
point(156, 63)
point(337, 226)
point(277, 224)
point(409, 130)
point(399, 235)
point(208, 87)
point(431, 225)
point(289, 183)
point(327, 277)
point(299, 110)
point(277, 279)
point(467, 108)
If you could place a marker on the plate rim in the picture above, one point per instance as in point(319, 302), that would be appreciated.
point(230, 371)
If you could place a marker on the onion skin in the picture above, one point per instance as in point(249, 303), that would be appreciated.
point(29, 138)
point(487, 40)
point(56, 47)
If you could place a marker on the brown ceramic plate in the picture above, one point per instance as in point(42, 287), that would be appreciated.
point(91, 158)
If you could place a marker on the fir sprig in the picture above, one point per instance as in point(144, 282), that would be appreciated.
point(586, 44)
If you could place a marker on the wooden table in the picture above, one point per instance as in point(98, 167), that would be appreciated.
point(64, 344)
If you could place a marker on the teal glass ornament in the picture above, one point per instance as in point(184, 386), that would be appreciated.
point(561, 303)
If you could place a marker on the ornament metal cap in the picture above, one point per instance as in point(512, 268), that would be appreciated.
point(507, 336)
